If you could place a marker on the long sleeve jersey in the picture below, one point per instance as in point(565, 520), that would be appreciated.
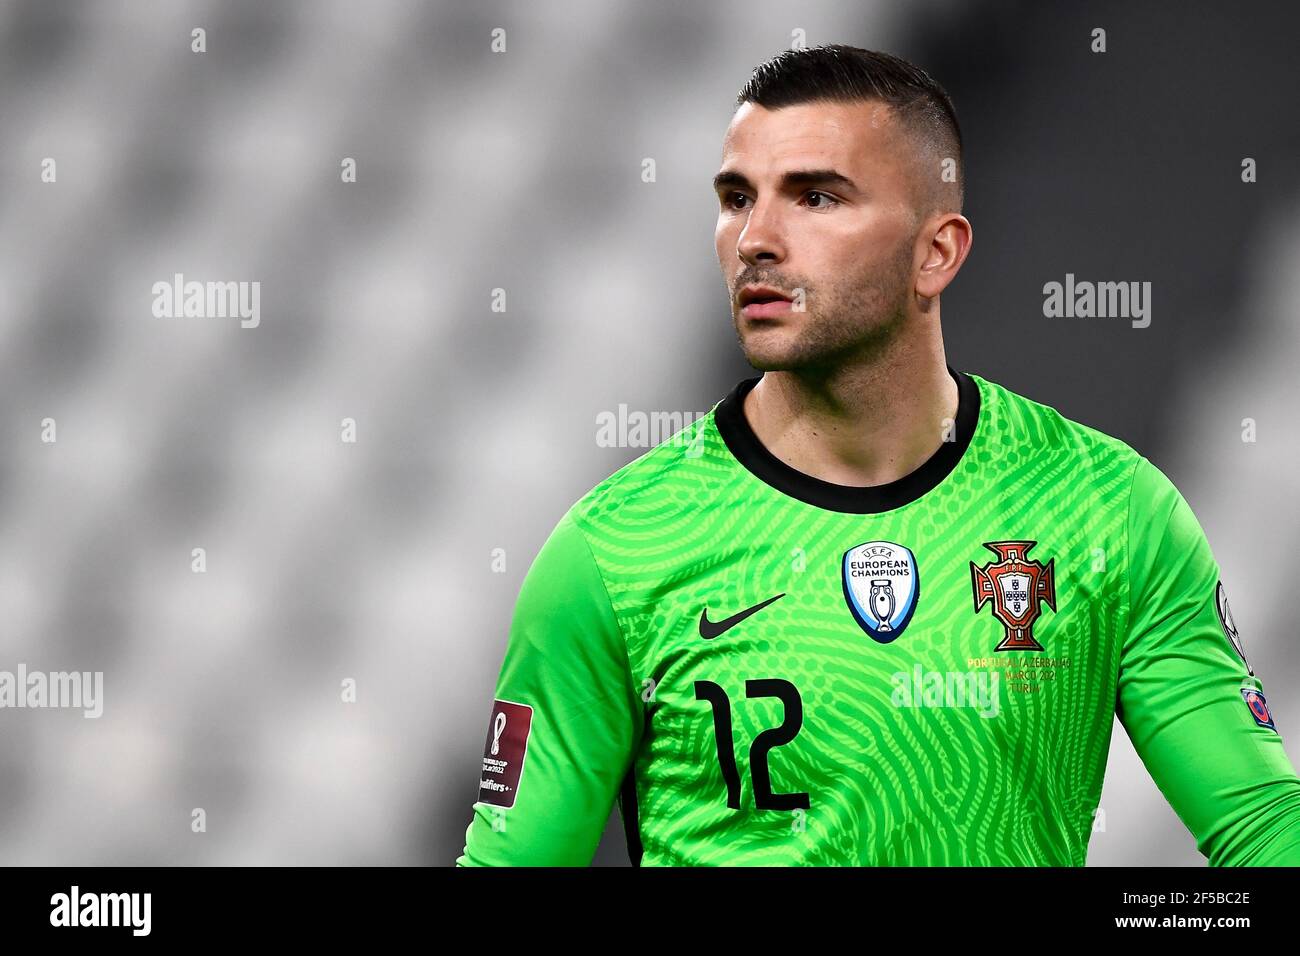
point(760, 667)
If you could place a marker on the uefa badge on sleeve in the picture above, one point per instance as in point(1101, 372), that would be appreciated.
point(1258, 708)
point(1230, 626)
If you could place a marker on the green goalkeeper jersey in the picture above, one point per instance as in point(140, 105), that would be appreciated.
point(764, 668)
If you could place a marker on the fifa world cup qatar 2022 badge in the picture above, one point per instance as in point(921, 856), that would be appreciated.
point(504, 752)
point(881, 587)
point(1016, 587)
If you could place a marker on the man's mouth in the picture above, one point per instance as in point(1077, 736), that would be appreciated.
point(762, 302)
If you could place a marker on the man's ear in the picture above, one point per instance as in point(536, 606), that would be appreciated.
point(951, 237)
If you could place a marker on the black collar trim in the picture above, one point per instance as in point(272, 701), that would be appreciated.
point(873, 499)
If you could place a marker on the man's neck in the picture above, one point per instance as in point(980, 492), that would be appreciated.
point(860, 425)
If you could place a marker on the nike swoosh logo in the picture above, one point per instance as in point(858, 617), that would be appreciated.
point(711, 629)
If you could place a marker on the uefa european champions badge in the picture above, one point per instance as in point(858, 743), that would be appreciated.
point(881, 586)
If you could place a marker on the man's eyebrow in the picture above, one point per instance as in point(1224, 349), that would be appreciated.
point(797, 178)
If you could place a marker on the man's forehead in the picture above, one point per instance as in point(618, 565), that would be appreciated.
point(821, 130)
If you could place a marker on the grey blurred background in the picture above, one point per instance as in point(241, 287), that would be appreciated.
point(372, 561)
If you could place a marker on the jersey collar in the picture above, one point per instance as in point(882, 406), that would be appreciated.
point(729, 416)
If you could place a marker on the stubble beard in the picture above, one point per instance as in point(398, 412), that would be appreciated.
point(847, 324)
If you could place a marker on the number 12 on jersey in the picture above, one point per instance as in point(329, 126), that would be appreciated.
point(761, 777)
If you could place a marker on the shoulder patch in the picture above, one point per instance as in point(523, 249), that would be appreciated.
point(504, 752)
point(1258, 708)
point(1229, 625)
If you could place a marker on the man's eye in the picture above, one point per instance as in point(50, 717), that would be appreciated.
point(828, 200)
point(732, 199)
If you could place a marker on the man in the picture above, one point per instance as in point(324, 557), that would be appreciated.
point(870, 610)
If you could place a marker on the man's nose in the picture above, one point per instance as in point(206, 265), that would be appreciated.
point(761, 239)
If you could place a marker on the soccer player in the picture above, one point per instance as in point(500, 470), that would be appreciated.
point(870, 610)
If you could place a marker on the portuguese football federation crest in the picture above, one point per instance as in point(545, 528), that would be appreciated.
point(1015, 586)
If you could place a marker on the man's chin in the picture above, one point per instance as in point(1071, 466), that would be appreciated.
point(768, 350)
point(789, 357)
point(772, 360)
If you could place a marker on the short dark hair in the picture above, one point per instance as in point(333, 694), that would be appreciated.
point(848, 74)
